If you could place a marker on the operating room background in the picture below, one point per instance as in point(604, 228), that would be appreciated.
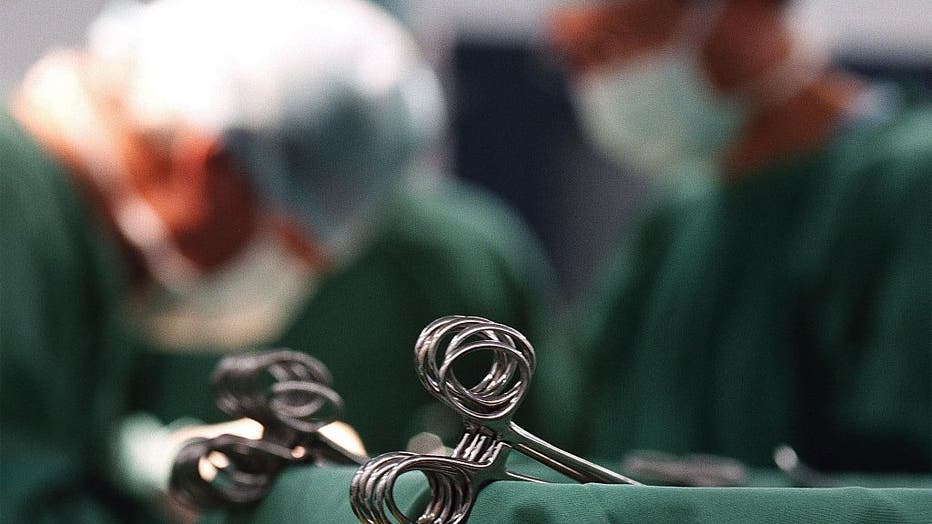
point(511, 125)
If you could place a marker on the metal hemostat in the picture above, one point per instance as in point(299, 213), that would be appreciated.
point(289, 394)
point(490, 434)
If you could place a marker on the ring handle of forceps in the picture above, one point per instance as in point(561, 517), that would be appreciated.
point(254, 464)
point(454, 484)
point(238, 390)
point(293, 426)
point(514, 348)
point(292, 409)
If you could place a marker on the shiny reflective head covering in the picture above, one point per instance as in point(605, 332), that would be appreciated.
point(325, 102)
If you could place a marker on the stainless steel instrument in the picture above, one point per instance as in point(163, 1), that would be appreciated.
point(289, 394)
point(490, 434)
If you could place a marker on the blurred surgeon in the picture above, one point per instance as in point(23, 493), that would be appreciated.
point(208, 177)
point(779, 292)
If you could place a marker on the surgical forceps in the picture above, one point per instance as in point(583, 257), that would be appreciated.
point(490, 434)
point(289, 394)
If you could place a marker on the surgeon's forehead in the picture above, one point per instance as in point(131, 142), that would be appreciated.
point(593, 32)
point(599, 14)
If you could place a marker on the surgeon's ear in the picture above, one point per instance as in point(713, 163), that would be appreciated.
point(216, 156)
point(233, 199)
point(204, 171)
point(226, 186)
point(592, 36)
point(207, 204)
point(195, 153)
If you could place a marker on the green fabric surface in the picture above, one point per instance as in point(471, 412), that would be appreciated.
point(792, 306)
point(64, 356)
point(312, 495)
point(643, 505)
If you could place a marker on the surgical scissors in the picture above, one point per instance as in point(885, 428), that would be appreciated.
point(289, 394)
point(490, 434)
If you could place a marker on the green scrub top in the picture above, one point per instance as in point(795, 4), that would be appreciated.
point(64, 355)
point(448, 249)
point(71, 369)
point(792, 307)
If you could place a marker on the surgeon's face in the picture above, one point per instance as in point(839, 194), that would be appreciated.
point(744, 40)
point(613, 32)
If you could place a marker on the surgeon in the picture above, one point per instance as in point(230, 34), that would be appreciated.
point(778, 292)
point(208, 177)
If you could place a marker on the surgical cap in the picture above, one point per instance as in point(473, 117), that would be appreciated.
point(324, 102)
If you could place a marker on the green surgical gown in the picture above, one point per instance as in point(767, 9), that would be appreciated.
point(793, 306)
point(447, 250)
point(72, 369)
point(64, 355)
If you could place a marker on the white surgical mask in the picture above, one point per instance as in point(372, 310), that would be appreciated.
point(657, 112)
point(246, 303)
